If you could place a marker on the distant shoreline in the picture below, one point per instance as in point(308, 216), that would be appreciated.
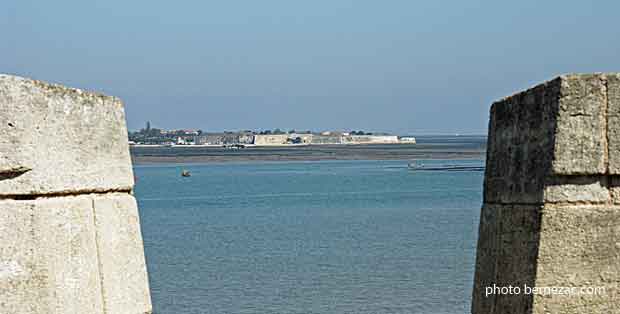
point(188, 160)
point(198, 154)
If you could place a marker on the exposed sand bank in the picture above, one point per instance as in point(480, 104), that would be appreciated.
point(447, 150)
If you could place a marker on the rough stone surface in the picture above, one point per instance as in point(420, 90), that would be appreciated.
point(520, 145)
point(47, 257)
point(544, 246)
point(124, 281)
point(613, 121)
point(580, 128)
point(575, 189)
point(579, 247)
point(64, 139)
point(70, 237)
point(506, 256)
point(569, 126)
point(551, 216)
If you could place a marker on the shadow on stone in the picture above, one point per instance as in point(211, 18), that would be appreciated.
point(507, 256)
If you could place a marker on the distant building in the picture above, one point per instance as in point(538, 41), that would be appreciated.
point(224, 138)
point(408, 139)
point(191, 132)
point(184, 140)
point(301, 138)
point(197, 137)
point(246, 138)
point(370, 139)
point(271, 139)
point(326, 139)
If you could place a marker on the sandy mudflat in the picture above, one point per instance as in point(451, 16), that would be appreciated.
point(431, 148)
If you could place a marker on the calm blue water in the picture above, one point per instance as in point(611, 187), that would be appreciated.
point(309, 237)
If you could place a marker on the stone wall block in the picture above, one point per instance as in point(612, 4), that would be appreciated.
point(613, 122)
point(580, 235)
point(55, 139)
point(580, 135)
point(551, 212)
point(48, 261)
point(124, 280)
point(574, 189)
point(486, 256)
point(520, 143)
point(70, 237)
point(506, 256)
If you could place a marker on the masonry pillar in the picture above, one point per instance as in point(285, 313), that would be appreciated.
point(70, 237)
point(551, 213)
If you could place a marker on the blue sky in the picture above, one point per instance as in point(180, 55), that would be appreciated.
point(409, 67)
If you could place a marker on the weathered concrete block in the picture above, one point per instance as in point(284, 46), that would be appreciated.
point(55, 139)
point(48, 261)
point(125, 282)
point(551, 216)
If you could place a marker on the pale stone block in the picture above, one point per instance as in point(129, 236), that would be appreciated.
point(559, 307)
point(581, 236)
point(585, 189)
point(124, 280)
point(70, 237)
point(613, 121)
point(579, 247)
point(48, 257)
point(614, 189)
point(580, 130)
point(55, 139)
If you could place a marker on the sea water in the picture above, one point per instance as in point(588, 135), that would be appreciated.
point(363, 237)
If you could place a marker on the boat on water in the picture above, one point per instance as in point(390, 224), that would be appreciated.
point(234, 146)
point(185, 173)
point(445, 167)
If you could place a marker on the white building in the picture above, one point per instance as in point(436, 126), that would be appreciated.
point(408, 139)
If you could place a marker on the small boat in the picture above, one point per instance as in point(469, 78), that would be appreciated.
point(234, 146)
point(185, 173)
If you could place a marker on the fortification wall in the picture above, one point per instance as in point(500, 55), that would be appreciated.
point(326, 139)
point(270, 139)
point(246, 138)
point(305, 138)
point(70, 238)
point(370, 139)
point(551, 213)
